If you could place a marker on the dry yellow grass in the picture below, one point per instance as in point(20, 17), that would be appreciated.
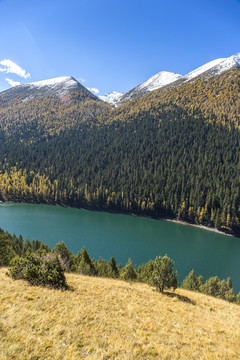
point(111, 319)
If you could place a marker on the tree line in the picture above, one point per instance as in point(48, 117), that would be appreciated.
point(36, 263)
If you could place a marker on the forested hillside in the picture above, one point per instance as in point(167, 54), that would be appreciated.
point(40, 118)
point(173, 153)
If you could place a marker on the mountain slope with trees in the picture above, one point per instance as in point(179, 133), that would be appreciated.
point(173, 153)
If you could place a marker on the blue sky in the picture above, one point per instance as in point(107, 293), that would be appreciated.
point(113, 45)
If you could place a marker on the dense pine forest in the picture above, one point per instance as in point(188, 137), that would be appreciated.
point(174, 153)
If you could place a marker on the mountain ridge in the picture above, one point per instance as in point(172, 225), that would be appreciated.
point(212, 68)
point(215, 67)
point(60, 87)
point(63, 86)
point(112, 98)
point(155, 82)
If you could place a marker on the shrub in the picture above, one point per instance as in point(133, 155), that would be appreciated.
point(66, 256)
point(113, 271)
point(128, 272)
point(192, 282)
point(238, 298)
point(84, 263)
point(145, 272)
point(211, 287)
point(7, 252)
point(101, 268)
point(44, 271)
point(230, 295)
point(163, 276)
point(219, 288)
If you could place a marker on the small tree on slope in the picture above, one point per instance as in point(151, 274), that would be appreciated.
point(163, 276)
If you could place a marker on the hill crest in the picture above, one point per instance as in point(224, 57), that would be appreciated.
point(165, 79)
point(60, 87)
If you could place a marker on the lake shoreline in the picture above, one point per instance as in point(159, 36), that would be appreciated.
point(141, 238)
point(176, 221)
point(185, 223)
point(203, 227)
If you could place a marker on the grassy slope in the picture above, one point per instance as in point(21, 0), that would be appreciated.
point(112, 319)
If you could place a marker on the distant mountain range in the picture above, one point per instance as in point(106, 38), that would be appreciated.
point(155, 82)
point(62, 86)
point(164, 78)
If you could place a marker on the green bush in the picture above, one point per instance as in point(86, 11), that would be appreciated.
point(129, 272)
point(163, 276)
point(101, 268)
point(66, 256)
point(113, 271)
point(6, 251)
point(44, 271)
point(219, 288)
point(145, 272)
point(238, 298)
point(192, 282)
point(84, 263)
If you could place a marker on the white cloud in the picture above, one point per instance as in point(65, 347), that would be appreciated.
point(95, 90)
point(9, 66)
point(12, 82)
point(82, 80)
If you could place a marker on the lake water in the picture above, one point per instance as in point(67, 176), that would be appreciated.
point(123, 236)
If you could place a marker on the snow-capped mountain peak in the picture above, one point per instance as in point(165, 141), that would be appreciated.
point(214, 67)
point(164, 78)
point(112, 98)
point(66, 81)
point(155, 82)
point(60, 87)
point(159, 80)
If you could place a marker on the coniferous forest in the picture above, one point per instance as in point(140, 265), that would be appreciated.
point(174, 153)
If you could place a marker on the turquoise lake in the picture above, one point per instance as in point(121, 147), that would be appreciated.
point(123, 236)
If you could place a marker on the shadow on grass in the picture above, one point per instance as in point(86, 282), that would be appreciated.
point(179, 297)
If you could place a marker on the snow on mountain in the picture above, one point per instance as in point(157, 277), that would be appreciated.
point(164, 78)
point(214, 67)
point(112, 98)
point(60, 87)
point(159, 80)
point(66, 81)
point(155, 82)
